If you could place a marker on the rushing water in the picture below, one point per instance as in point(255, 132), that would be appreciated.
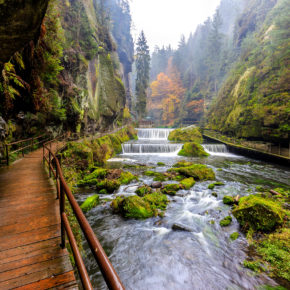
point(148, 254)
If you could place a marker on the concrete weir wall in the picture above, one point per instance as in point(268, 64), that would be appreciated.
point(253, 153)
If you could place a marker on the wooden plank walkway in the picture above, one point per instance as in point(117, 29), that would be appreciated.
point(30, 255)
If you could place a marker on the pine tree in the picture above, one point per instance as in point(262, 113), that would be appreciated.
point(142, 79)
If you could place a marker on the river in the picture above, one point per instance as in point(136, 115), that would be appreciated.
point(148, 254)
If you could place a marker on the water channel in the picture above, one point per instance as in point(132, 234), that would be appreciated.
point(149, 254)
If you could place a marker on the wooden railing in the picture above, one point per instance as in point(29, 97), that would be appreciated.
point(24, 145)
point(112, 279)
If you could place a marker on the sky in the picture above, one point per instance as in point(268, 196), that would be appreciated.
point(164, 21)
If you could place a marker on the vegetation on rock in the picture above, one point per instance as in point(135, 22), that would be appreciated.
point(187, 183)
point(140, 207)
point(143, 190)
point(90, 202)
point(188, 134)
point(192, 149)
point(197, 171)
point(226, 221)
point(228, 200)
point(258, 213)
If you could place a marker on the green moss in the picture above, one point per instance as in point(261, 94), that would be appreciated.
point(182, 164)
point(228, 200)
point(90, 202)
point(143, 190)
point(187, 182)
point(197, 171)
point(188, 134)
point(157, 200)
point(91, 179)
point(253, 265)
point(170, 189)
point(260, 188)
point(110, 185)
point(274, 249)
point(258, 213)
point(157, 175)
point(126, 177)
point(103, 191)
point(192, 149)
point(133, 207)
point(234, 236)
point(160, 164)
point(213, 185)
point(226, 221)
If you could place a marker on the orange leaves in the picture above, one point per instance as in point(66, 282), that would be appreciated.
point(167, 92)
point(196, 106)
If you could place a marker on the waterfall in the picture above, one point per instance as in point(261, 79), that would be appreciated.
point(153, 133)
point(139, 148)
point(215, 148)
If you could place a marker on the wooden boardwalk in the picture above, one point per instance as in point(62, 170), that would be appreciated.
point(30, 255)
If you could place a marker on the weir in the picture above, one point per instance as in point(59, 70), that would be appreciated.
point(150, 133)
point(152, 141)
point(150, 148)
point(215, 148)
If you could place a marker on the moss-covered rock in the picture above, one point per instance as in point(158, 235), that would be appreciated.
point(126, 177)
point(234, 236)
point(171, 189)
point(226, 221)
point(92, 178)
point(157, 200)
point(213, 185)
point(188, 134)
point(187, 182)
point(110, 185)
point(192, 149)
point(140, 207)
point(157, 175)
point(90, 202)
point(228, 200)
point(160, 164)
point(197, 171)
point(182, 163)
point(143, 190)
point(258, 213)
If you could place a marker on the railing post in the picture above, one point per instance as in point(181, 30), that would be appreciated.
point(57, 182)
point(7, 154)
point(43, 153)
point(49, 163)
point(31, 148)
point(62, 208)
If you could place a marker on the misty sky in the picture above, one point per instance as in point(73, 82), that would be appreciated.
point(163, 21)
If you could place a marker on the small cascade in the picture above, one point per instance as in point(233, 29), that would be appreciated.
point(215, 148)
point(139, 148)
point(153, 133)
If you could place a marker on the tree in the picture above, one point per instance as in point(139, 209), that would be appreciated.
point(142, 79)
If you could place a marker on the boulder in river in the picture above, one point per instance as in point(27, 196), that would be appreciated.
point(181, 227)
point(143, 190)
point(197, 171)
point(171, 189)
point(156, 184)
point(90, 202)
point(259, 213)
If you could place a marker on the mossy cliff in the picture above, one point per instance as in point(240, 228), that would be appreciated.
point(65, 73)
point(19, 24)
point(254, 100)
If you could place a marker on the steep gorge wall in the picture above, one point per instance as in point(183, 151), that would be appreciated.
point(254, 101)
point(68, 76)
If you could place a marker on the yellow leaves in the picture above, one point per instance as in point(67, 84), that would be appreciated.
point(166, 94)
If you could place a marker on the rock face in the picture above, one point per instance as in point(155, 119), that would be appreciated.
point(258, 213)
point(20, 22)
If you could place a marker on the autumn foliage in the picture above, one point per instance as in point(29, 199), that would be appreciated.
point(167, 93)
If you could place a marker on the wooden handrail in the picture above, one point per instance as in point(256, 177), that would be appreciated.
point(111, 277)
point(32, 143)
